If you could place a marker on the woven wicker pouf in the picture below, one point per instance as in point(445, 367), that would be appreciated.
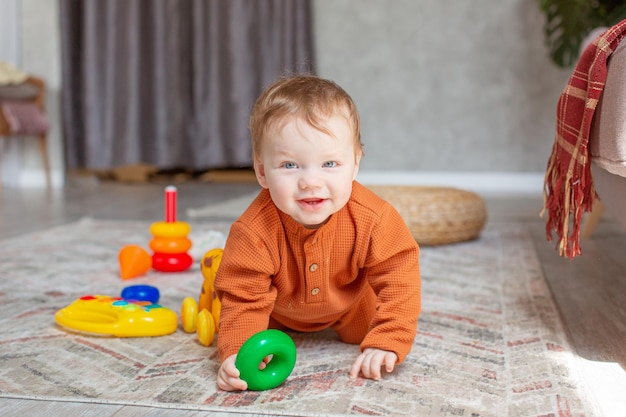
point(437, 215)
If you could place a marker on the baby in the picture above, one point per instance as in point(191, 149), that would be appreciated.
point(316, 249)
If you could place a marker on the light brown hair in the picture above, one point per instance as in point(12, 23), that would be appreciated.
point(311, 98)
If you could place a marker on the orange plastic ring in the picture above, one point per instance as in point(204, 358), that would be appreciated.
point(170, 245)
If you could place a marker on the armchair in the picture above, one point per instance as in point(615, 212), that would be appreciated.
point(22, 113)
point(607, 145)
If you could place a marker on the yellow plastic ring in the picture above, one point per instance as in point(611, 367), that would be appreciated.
point(206, 328)
point(188, 314)
point(170, 230)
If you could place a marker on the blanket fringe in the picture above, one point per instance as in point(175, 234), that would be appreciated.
point(566, 200)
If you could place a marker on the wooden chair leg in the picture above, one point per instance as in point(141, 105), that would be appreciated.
point(43, 147)
point(592, 219)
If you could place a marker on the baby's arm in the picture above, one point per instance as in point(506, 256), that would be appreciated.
point(370, 362)
point(228, 376)
point(393, 272)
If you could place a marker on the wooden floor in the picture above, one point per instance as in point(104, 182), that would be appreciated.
point(590, 290)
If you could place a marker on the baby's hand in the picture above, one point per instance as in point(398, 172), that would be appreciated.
point(228, 376)
point(371, 361)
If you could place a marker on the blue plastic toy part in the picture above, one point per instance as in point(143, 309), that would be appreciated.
point(141, 293)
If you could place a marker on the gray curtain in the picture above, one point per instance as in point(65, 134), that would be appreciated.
point(171, 82)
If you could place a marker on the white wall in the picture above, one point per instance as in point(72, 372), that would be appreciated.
point(9, 29)
point(10, 150)
point(29, 38)
point(444, 85)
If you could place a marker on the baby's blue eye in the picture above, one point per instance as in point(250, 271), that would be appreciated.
point(290, 165)
point(330, 164)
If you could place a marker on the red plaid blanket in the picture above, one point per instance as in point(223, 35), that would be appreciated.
point(568, 188)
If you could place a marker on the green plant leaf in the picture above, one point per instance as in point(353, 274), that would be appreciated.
point(569, 21)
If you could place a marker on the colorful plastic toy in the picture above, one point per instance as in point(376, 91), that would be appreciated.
point(170, 243)
point(134, 261)
point(115, 316)
point(203, 317)
point(275, 344)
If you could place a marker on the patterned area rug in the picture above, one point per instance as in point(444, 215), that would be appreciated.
point(490, 339)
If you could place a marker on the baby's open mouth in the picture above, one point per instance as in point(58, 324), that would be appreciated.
point(312, 202)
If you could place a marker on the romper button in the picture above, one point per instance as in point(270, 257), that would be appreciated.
point(313, 267)
point(315, 291)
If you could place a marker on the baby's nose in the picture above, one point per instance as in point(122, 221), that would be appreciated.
point(309, 180)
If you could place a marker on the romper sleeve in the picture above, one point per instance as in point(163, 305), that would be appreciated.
point(244, 286)
point(393, 272)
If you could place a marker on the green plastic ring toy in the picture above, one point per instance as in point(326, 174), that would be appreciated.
point(258, 347)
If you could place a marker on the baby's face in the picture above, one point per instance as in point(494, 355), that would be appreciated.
point(309, 173)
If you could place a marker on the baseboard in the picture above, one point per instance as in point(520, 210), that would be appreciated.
point(501, 183)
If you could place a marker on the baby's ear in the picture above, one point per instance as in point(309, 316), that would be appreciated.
point(357, 163)
point(259, 170)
